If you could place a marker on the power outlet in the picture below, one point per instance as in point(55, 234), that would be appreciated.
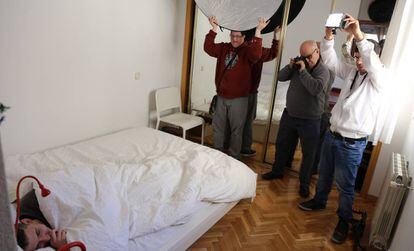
point(137, 75)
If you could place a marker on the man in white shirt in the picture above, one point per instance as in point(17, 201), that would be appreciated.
point(353, 120)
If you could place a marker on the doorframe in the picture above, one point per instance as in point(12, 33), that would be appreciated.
point(187, 55)
point(371, 169)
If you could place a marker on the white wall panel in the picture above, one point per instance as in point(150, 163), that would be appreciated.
point(67, 68)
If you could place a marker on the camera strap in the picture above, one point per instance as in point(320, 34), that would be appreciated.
point(225, 69)
point(353, 81)
point(363, 79)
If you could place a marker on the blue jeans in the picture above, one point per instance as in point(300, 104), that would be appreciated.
point(339, 159)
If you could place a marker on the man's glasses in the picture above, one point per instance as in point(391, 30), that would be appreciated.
point(310, 55)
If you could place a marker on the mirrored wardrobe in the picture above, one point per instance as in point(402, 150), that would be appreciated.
point(271, 99)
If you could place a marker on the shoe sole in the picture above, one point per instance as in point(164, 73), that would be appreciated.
point(337, 241)
point(273, 178)
point(309, 209)
point(248, 155)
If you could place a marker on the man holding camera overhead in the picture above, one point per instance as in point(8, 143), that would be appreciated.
point(301, 118)
point(353, 119)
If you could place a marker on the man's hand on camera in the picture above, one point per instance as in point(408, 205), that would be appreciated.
point(213, 22)
point(291, 63)
point(301, 65)
point(352, 27)
point(58, 238)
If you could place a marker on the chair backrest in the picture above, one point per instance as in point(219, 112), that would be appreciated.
point(167, 98)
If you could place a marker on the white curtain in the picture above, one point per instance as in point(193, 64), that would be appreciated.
point(398, 57)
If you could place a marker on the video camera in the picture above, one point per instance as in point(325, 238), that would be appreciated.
point(336, 21)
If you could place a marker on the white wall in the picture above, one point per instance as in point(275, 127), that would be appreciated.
point(67, 68)
point(398, 53)
point(363, 11)
point(398, 61)
point(402, 142)
point(403, 238)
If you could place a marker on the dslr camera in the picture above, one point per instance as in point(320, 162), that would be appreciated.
point(297, 59)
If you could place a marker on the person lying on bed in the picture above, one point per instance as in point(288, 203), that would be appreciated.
point(34, 231)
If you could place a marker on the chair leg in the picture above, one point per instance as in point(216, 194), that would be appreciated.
point(158, 124)
point(202, 134)
point(184, 131)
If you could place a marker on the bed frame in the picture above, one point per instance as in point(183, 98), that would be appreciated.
point(200, 223)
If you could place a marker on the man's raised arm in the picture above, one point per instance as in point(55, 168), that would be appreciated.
point(210, 47)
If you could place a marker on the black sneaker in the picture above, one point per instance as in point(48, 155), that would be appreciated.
point(248, 153)
point(341, 232)
point(304, 192)
point(272, 176)
point(311, 205)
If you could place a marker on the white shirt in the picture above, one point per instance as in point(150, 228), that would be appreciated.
point(355, 113)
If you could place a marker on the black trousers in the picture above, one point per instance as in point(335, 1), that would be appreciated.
point(308, 131)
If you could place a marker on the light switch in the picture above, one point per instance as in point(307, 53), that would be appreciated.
point(137, 75)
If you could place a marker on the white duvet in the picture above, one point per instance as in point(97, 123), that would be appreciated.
point(114, 188)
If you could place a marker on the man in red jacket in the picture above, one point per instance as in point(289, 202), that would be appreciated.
point(233, 82)
point(268, 54)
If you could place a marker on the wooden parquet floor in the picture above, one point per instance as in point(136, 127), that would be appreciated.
point(274, 222)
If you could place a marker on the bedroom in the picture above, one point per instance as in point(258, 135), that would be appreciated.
point(71, 71)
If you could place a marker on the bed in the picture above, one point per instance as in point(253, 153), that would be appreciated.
point(222, 182)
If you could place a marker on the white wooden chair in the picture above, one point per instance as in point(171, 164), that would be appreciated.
point(169, 98)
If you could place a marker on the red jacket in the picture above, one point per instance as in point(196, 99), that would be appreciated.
point(268, 54)
point(236, 81)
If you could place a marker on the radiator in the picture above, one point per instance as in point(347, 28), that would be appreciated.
point(390, 202)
